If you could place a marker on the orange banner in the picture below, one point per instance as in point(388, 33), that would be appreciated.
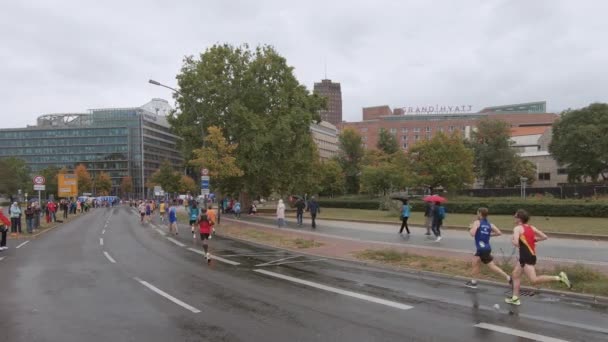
point(67, 185)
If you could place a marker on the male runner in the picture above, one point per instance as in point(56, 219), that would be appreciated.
point(173, 219)
point(161, 209)
point(142, 211)
point(148, 211)
point(193, 213)
point(212, 215)
point(525, 238)
point(205, 227)
point(482, 230)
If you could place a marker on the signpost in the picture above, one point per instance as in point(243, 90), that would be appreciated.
point(39, 185)
point(205, 184)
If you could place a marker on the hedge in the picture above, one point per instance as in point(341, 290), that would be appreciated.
point(496, 208)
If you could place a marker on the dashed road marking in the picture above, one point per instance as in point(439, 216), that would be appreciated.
point(22, 244)
point(109, 257)
point(518, 333)
point(168, 296)
point(176, 242)
point(2, 258)
point(215, 257)
point(101, 241)
point(103, 232)
point(376, 300)
point(160, 232)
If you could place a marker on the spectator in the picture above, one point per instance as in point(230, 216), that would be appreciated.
point(29, 219)
point(438, 216)
point(428, 215)
point(37, 214)
point(281, 213)
point(237, 209)
point(314, 209)
point(15, 214)
point(4, 224)
point(300, 206)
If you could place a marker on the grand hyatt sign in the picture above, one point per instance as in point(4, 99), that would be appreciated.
point(437, 109)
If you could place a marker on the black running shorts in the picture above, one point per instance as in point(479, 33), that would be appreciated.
point(485, 256)
point(205, 236)
point(192, 222)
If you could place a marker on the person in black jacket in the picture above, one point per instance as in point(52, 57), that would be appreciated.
point(314, 209)
point(300, 206)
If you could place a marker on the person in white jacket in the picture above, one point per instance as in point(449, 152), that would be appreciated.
point(281, 213)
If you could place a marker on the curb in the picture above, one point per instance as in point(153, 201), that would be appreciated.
point(461, 228)
point(580, 296)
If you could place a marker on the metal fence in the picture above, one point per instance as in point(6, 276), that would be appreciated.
point(562, 191)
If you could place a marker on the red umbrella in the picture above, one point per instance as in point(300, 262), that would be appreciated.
point(434, 198)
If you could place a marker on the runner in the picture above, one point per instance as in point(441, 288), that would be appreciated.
point(142, 211)
point(148, 211)
point(205, 227)
point(525, 238)
point(212, 215)
point(193, 213)
point(482, 230)
point(161, 209)
point(173, 219)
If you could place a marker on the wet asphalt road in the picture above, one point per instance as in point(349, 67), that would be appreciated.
point(570, 250)
point(62, 287)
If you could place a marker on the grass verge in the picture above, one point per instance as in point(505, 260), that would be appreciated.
point(273, 239)
point(584, 280)
point(574, 225)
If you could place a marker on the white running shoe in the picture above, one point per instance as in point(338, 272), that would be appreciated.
point(207, 256)
point(194, 236)
point(438, 239)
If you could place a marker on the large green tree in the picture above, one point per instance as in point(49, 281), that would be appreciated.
point(15, 175)
point(495, 159)
point(350, 156)
point(444, 161)
point(255, 99)
point(382, 173)
point(580, 142)
point(331, 178)
point(387, 142)
point(85, 182)
point(166, 177)
point(103, 184)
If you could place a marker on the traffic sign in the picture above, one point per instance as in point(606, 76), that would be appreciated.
point(205, 184)
point(205, 178)
point(39, 187)
point(204, 171)
point(39, 180)
point(205, 191)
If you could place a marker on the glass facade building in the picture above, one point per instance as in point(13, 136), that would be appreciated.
point(119, 141)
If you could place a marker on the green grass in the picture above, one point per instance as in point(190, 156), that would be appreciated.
point(584, 280)
point(575, 225)
point(271, 238)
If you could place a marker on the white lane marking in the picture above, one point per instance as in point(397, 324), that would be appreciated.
point(338, 291)
point(176, 242)
point(276, 261)
point(168, 296)
point(101, 241)
point(2, 258)
point(519, 333)
point(103, 232)
point(23, 244)
point(215, 257)
point(161, 232)
point(254, 254)
point(109, 257)
point(295, 262)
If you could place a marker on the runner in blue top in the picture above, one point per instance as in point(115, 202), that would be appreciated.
point(194, 212)
point(173, 219)
point(405, 215)
point(482, 230)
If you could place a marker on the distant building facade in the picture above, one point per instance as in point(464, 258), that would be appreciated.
point(412, 124)
point(333, 93)
point(325, 136)
point(119, 141)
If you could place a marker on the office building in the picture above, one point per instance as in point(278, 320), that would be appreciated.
point(119, 141)
point(333, 93)
point(325, 136)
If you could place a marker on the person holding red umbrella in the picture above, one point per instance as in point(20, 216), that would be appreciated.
point(438, 213)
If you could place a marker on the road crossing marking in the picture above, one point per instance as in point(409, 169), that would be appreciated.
point(168, 296)
point(22, 244)
point(337, 290)
point(276, 261)
point(518, 333)
point(109, 257)
point(176, 242)
point(215, 257)
point(160, 232)
point(101, 241)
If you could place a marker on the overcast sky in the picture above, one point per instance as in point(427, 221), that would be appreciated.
point(68, 56)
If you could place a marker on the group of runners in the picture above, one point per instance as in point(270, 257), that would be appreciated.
point(525, 237)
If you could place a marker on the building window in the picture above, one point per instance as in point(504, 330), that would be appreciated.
point(416, 137)
point(562, 171)
point(404, 130)
point(428, 136)
point(451, 129)
point(404, 138)
point(428, 129)
point(363, 129)
point(364, 138)
point(393, 131)
point(404, 145)
point(417, 130)
point(440, 129)
point(544, 176)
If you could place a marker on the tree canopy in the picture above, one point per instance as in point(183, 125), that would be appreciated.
point(126, 185)
point(166, 177)
point(85, 182)
point(253, 97)
point(384, 172)
point(580, 142)
point(103, 184)
point(387, 142)
point(331, 178)
point(350, 156)
point(443, 161)
point(14, 175)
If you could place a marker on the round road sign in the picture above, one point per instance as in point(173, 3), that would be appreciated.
point(204, 172)
point(39, 180)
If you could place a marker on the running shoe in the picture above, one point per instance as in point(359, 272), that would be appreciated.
point(471, 283)
point(563, 277)
point(438, 239)
point(513, 301)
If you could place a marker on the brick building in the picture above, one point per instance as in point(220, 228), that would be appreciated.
point(333, 93)
point(410, 127)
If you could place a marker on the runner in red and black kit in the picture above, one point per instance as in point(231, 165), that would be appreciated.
point(205, 226)
point(525, 238)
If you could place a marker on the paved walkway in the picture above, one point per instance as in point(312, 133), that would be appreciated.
point(456, 243)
